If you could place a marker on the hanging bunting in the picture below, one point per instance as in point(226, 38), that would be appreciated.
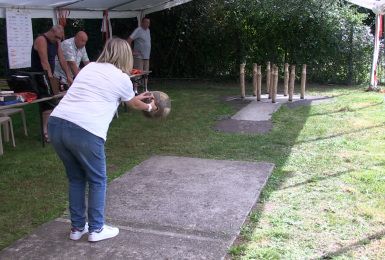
point(62, 15)
point(106, 27)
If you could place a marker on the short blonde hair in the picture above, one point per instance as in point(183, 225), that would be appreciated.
point(117, 52)
point(57, 29)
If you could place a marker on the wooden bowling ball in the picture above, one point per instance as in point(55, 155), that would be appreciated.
point(162, 102)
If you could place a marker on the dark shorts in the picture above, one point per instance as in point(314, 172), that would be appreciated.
point(48, 105)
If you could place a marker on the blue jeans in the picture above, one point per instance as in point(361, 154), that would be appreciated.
point(84, 160)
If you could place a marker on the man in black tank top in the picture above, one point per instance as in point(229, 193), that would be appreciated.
point(44, 51)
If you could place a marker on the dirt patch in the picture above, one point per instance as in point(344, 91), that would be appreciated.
point(243, 126)
point(112, 168)
point(236, 102)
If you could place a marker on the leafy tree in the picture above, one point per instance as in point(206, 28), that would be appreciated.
point(211, 38)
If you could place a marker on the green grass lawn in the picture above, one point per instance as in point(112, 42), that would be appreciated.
point(325, 198)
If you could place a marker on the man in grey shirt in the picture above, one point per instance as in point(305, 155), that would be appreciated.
point(74, 51)
point(142, 45)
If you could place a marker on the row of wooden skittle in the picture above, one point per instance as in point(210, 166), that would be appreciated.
point(272, 75)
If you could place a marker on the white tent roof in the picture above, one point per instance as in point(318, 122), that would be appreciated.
point(377, 6)
point(90, 8)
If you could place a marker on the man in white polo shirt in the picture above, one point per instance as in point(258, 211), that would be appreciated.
point(142, 45)
point(74, 51)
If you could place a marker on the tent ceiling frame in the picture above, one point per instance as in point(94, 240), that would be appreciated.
point(44, 11)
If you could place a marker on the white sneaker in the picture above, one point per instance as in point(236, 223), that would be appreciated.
point(104, 233)
point(77, 234)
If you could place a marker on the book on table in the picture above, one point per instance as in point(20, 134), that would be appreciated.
point(8, 97)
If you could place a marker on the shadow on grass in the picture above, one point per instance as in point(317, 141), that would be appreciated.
point(317, 178)
point(365, 241)
point(341, 134)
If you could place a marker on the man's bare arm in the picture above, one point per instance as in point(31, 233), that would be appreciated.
point(63, 64)
point(74, 68)
point(40, 45)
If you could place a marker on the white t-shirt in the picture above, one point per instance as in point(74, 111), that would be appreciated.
point(71, 53)
point(142, 43)
point(94, 96)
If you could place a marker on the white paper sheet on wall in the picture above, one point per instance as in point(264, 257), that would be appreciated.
point(19, 38)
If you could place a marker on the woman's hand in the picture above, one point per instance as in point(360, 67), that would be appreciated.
point(138, 102)
point(153, 106)
point(145, 95)
point(148, 96)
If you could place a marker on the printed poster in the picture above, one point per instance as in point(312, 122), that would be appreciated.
point(19, 38)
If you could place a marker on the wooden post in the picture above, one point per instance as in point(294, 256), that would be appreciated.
point(271, 81)
point(255, 79)
point(275, 85)
point(286, 80)
point(303, 81)
point(291, 84)
point(259, 82)
point(268, 74)
point(242, 79)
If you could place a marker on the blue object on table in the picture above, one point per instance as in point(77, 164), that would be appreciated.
point(4, 103)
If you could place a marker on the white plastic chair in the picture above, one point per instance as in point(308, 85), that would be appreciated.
point(12, 111)
point(6, 124)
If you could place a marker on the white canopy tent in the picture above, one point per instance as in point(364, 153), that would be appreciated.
point(19, 37)
point(90, 8)
point(378, 7)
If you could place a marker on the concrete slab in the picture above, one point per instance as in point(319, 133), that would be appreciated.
point(50, 242)
point(264, 109)
point(257, 111)
point(162, 191)
point(166, 208)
